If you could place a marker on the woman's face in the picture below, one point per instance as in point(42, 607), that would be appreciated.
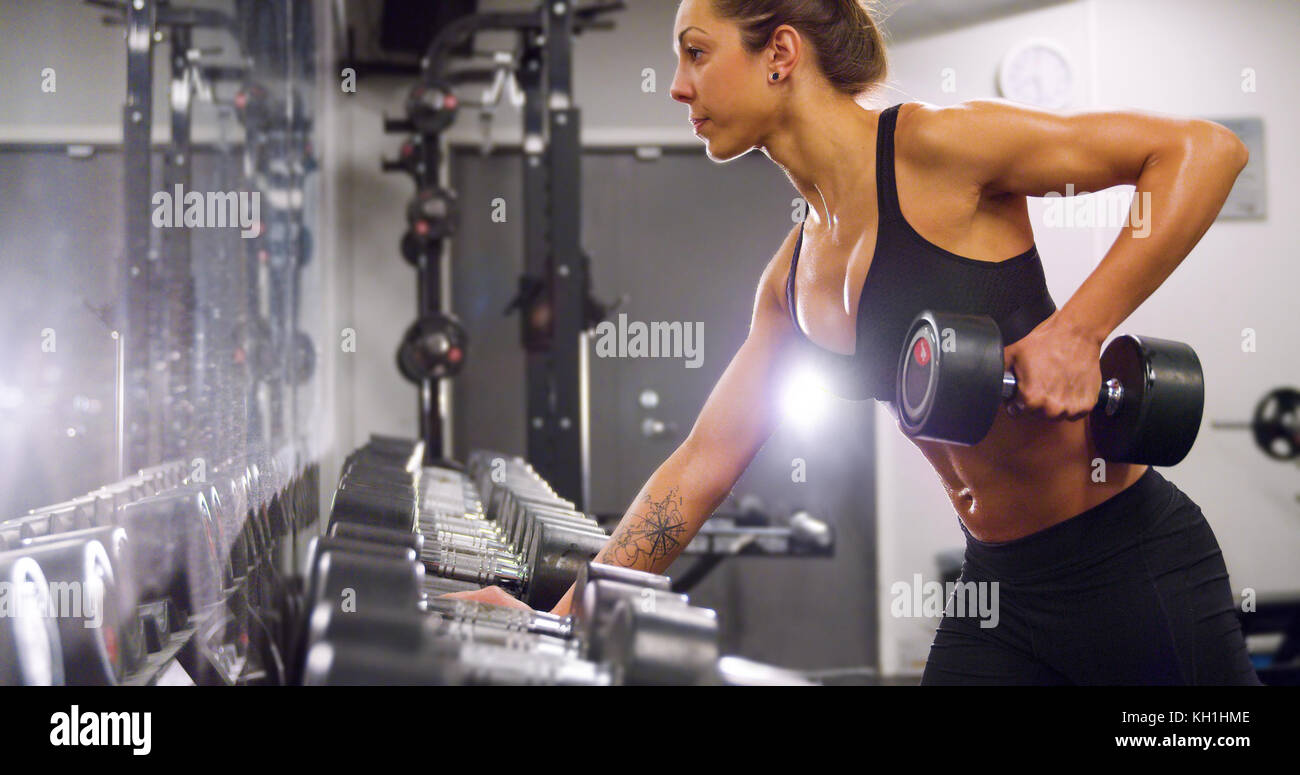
point(720, 82)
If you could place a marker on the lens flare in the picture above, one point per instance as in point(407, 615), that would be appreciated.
point(805, 400)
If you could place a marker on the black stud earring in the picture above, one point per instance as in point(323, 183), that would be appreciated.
point(776, 76)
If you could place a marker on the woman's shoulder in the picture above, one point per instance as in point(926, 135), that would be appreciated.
point(946, 135)
point(925, 134)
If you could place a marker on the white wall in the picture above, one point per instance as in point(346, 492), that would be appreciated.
point(89, 63)
point(1182, 57)
point(379, 301)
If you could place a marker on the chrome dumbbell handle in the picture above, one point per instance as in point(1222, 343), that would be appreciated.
point(539, 622)
point(481, 663)
point(487, 634)
point(469, 543)
point(1111, 395)
point(481, 569)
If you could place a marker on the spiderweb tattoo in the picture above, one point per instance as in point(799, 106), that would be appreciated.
point(651, 535)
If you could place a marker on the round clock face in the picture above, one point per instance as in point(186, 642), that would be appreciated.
point(1037, 72)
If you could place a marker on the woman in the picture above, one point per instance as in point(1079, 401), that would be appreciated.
point(1113, 581)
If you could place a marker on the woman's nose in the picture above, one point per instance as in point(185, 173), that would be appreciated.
point(680, 89)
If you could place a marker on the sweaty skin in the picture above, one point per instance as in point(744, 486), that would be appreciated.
point(1029, 472)
point(1036, 468)
point(963, 175)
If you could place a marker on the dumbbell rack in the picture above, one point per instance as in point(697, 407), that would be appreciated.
point(187, 564)
point(401, 535)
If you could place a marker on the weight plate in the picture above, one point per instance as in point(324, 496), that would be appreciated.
point(432, 348)
point(432, 107)
point(1276, 424)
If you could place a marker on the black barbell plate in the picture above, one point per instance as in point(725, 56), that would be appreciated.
point(1276, 424)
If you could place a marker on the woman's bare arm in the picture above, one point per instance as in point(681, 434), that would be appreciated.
point(1183, 169)
point(737, 419)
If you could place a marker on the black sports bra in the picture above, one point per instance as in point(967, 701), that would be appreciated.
point(907, 275)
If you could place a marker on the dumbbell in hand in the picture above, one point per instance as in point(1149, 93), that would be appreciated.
point(951, 381)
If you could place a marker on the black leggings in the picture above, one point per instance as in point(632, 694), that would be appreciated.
point(1132, 591)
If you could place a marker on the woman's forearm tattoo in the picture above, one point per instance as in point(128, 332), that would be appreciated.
point(649, 536)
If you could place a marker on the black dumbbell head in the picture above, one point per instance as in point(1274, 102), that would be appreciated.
point(662, 645)
point(1159, 416)
point(949, 381)
point(359, 532)
point(359, 581)
point(368, 507)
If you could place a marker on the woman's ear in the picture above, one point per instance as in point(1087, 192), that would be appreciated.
point(783, 51)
